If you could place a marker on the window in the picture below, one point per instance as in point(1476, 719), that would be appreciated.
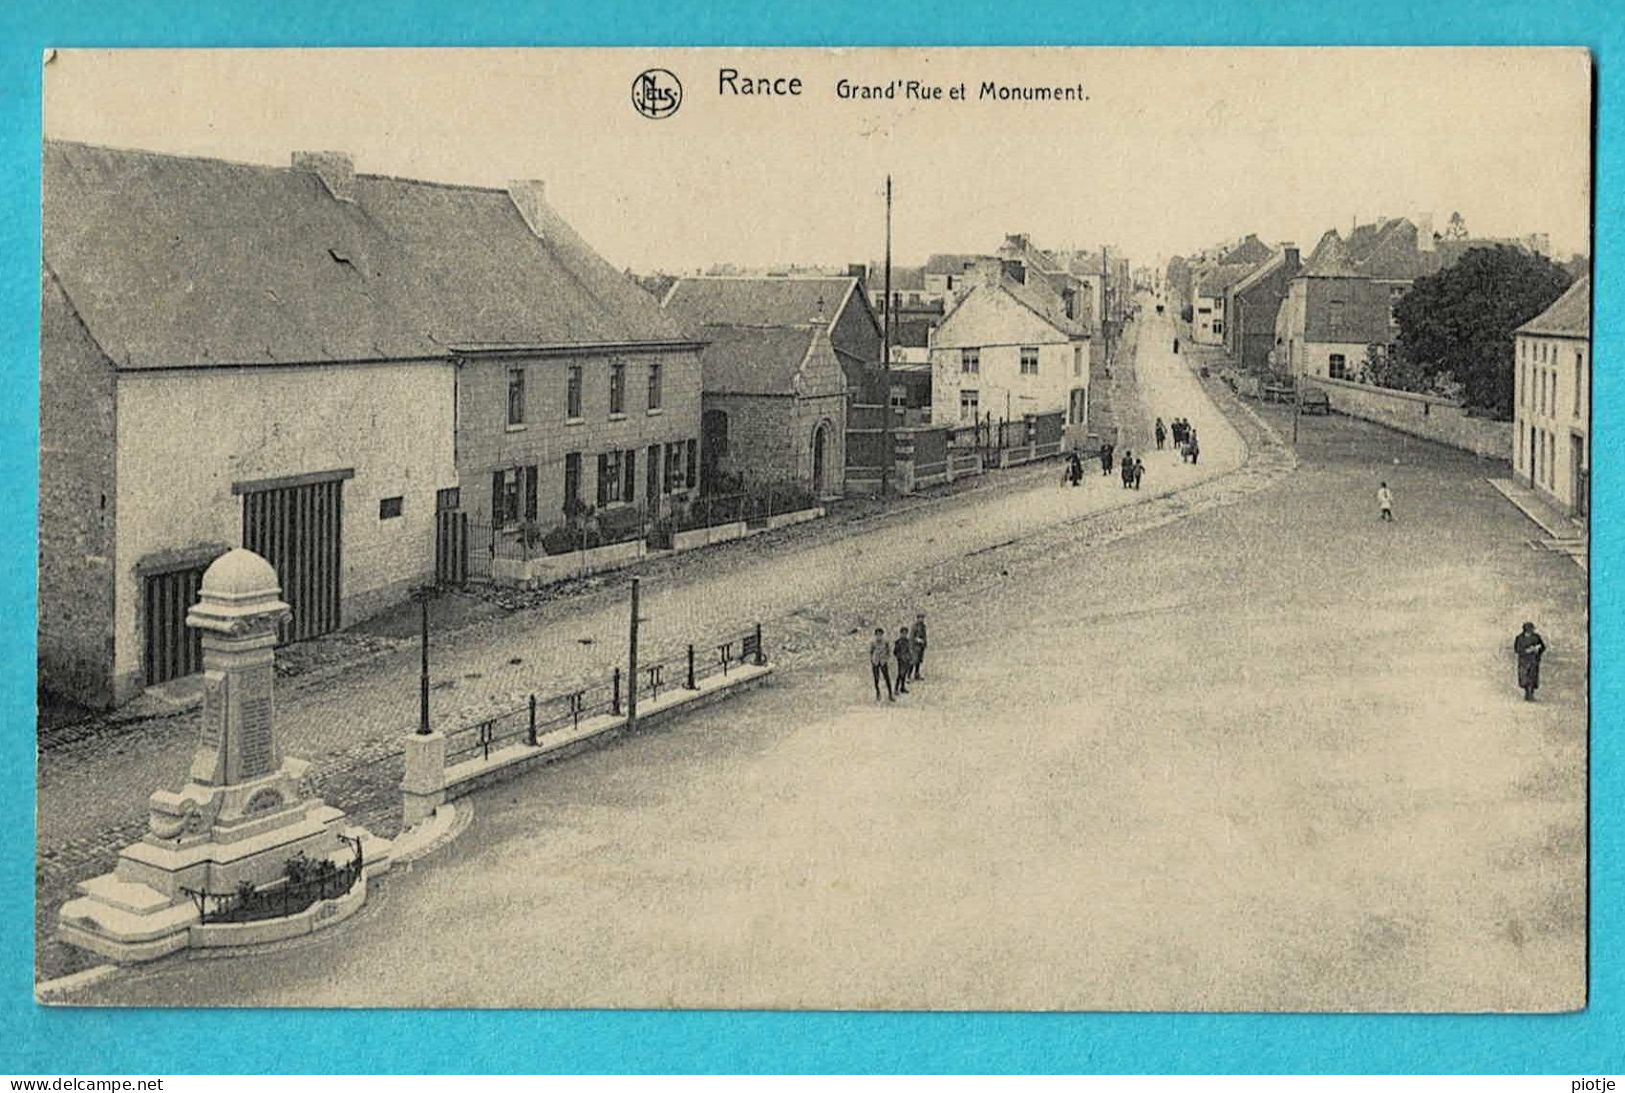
point(448, 500)
point(1029, 360)
point(969, 405)
point(617, 389)
point(1218, 326)
point(673, 477)
point(1334, 316)
point(1077, 360)
point(389, 508)
point(513, 495)
point(611, 484)
point(1337, 366)
point(572, 482)
point(1579, 380)
point(572, 393)
point(516, 396)
point(654, 386)
point(970, 361)
point(690, 464)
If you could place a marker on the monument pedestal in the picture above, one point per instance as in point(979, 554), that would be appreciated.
point(245, 810)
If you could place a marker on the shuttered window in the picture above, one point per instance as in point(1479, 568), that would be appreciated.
point(631, 476)
point(690, 464)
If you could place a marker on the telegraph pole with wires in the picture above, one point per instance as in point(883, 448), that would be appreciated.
point(885, 360)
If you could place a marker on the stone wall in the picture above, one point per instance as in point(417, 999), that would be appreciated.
point(1425, 416)
point(77, 502)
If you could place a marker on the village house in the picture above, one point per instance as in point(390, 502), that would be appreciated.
point(1350, 311)
point(774, 407)
point(840, 303)
point(309, 363)
point(1252, 304)
point(1551, 400)
point(1008, 350)
point(1330, 316)
point(1208, 307)
point(841, 306)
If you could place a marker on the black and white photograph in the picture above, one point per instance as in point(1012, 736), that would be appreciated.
point(954, 529)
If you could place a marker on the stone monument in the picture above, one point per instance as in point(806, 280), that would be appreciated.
point(245, 809)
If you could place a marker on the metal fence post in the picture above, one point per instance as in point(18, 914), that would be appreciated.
point(532, 735)
point(615, 699)
point(691, 667)
point(761, 655)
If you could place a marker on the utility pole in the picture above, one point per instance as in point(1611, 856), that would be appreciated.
point(632, 661)
point(885, 360)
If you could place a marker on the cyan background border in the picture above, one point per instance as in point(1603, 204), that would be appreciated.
point(59, 1041)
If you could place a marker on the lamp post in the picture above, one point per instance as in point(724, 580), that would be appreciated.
point(423, 670)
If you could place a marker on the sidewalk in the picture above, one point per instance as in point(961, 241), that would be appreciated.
point(1565, 534)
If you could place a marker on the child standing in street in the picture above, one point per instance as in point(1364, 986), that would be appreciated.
point(903, 650)
point(879, 655)
point(917, 637)
point(1385, 502)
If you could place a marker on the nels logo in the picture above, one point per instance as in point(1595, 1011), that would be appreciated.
point(657, 93)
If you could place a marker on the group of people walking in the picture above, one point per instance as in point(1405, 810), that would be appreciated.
point(1183, 434)
point(908, 651)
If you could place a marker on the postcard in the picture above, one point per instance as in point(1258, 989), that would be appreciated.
point(905, 529)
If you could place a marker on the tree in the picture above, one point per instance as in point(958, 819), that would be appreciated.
point(1393, 370)
point(1457, 228)
point(1460, 320)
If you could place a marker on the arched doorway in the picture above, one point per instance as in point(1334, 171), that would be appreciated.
point(820, 446)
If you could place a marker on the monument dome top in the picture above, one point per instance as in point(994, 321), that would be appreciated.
point(239, 573)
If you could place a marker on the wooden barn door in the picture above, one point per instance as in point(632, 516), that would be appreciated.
point(172, 649)
point(297, 529)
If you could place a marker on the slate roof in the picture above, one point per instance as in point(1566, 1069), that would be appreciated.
point(1393, 255)
point(1045, 305)
point(175, 261)
point(753, 360)
point(758, 301)
point(1568, 317)
point(1250, 251)
point(1219, 278)
point(1330, 258)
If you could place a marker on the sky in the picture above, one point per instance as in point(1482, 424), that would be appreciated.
point(1166, 151)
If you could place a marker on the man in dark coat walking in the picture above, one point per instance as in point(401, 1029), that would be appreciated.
point(1529, 646)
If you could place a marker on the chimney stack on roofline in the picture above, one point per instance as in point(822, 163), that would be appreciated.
point(1424, 232)
point(335, 169)
point(529, 196)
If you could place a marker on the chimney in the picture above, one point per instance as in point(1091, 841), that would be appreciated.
point(1016, 271)
point(529, 196)
point(858, 270)
point(335, 169)
point(1424, 233)
point(1289, 257)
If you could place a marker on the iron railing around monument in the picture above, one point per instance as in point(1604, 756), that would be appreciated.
point(309, 881)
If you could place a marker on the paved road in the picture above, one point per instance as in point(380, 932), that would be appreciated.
point(1268, 755)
